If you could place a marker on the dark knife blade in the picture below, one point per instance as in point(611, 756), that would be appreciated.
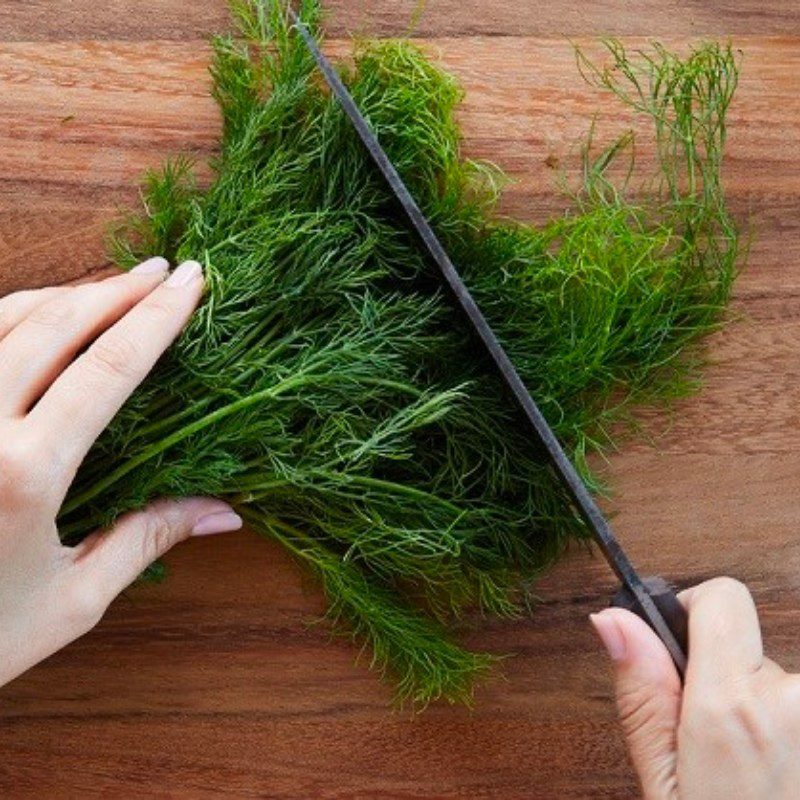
point(671, 631)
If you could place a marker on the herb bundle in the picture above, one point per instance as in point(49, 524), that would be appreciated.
point(329, 389)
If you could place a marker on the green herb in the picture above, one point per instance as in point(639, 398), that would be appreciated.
point(328, 388)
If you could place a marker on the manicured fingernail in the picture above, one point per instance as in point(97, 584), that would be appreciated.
point(221, 522)
point(610, 635)
point(186, 274)
point(151, 266)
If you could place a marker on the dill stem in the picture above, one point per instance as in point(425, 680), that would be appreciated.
point(257, 489)
point(166, 422)
point(266, 524)
point(189, 430)
point(393, 488)
point(247, 342)
point(190, 410)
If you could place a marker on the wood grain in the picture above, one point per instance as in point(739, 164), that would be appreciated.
point(81, 121)
point(146, 20)
point(211, 684)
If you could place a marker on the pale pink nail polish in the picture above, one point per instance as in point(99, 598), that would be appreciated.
point(220, 522)
point(151, 266)
point(610, 635)
point(186, 274)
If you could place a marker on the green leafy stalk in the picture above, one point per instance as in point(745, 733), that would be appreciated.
point(417, 651)
point(328, 388)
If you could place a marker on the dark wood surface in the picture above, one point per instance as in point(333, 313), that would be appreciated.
point(212, 684)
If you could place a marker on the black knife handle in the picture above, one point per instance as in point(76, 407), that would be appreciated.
point(667, 603)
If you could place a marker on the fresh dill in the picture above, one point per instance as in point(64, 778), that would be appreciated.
point(329, 389)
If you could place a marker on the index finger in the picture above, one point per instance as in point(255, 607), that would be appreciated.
point(724, 632)
point(89, 393)
point(15, 307)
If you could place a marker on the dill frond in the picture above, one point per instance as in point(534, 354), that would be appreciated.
point(328, 388)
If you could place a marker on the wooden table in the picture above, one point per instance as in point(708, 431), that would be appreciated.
point(212, 685)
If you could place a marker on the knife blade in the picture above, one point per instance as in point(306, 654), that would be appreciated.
point(652, 598)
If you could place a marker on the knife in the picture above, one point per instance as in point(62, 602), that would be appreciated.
point(651, 598)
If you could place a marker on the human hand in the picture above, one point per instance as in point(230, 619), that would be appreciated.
point(56, 397)
point(733, 729)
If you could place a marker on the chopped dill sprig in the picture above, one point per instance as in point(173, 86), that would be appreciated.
point(328, 387)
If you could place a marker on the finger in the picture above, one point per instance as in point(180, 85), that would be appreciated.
point(111, 560)
point(648, 698)
point(15, 307)
point(45, 342)
point(120, 359)
point(724, 632)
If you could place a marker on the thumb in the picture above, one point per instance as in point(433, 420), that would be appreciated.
point(111, 560)
point(648, 698)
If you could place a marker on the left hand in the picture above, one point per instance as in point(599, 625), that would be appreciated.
point(69, 358)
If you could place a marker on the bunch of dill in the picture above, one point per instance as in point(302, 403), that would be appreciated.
point(328, 388)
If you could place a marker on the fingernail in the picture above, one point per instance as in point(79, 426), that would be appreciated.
point(220, 522)
point(186, 274)
point(610, 635)
point(151, 266)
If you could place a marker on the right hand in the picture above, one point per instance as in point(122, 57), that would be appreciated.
point(733, 730)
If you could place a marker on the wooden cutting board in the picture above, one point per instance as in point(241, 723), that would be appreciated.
point(212, 685)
